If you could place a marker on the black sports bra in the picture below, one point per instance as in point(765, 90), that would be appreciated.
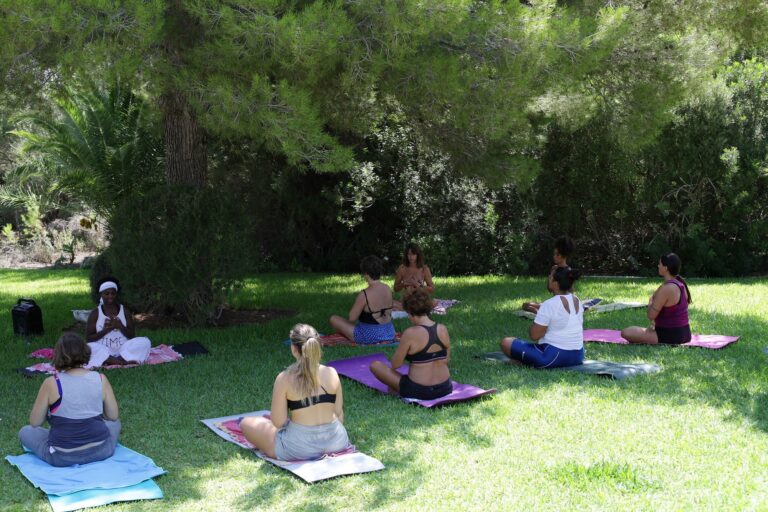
point(422, 356)
point(367, 316)
point(325, 398)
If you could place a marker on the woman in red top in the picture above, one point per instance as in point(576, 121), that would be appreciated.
point(667, 309)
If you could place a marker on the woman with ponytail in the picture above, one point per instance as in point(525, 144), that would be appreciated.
point(558, 327)
point(311, 393)
point(667, 308)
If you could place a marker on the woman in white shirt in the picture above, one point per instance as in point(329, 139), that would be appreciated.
point(558, 327)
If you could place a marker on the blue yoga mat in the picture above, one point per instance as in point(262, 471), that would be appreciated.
point(123, 469)
point(146, 490)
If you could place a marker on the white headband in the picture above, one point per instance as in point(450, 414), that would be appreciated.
point(106, 285)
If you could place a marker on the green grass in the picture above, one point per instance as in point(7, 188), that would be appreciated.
point(693, 437)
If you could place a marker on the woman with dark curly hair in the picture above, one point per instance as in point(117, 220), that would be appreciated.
point(370, 318)
point(427, 346)
point(110, 331)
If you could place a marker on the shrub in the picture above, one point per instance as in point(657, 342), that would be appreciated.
point(179, 251)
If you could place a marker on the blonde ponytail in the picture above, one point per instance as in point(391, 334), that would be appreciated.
point(306, 370)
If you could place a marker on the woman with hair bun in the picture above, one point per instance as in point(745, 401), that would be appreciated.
point(311, 394)
point(558, 327)
point(427, 346)
point(667, 308)
point(370, 317)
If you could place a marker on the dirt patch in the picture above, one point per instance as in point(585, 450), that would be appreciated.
point(228, 318)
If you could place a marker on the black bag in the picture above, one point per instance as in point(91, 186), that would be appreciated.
point(27, 318)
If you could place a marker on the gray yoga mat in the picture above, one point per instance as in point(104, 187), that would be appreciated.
point(618, 371)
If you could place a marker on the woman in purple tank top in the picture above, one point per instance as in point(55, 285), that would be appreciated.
point(667, 309)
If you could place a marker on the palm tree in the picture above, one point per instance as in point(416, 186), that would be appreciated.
point(97, 150)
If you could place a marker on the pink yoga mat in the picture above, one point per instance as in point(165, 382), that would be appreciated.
point(157, 355)
point(713, 341)
point(358, 369)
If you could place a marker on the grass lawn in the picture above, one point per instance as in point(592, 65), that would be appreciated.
point(693, 437)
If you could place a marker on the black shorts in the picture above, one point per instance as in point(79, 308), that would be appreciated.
point(410, 389)
point(673, 335)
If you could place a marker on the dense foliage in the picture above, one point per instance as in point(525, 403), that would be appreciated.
point(480, 129)
point(178, 251)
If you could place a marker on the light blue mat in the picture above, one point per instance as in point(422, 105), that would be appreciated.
point(123, 469)
point(146, 490)
point(618, 371)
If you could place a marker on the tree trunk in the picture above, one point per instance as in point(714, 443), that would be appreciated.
point(186, 148)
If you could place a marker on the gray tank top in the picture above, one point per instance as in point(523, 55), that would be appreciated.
point(81, 396)
point(76, 418)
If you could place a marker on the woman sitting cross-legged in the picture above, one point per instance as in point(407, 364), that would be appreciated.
point(558, 327)
point(80, 407)
point(110, 331)
point(427, 346)
point(370, 318)
point(311, 393)
point(667, 308)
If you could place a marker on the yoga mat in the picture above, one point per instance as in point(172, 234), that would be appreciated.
point(358, 369)
point(125, 468)
point(441, 308)
point(617, 306)
point(348, 462)
point(146, 490)
point(618, 371)
point(713, 341)
point(157, 355)
point(589, 305)
point(339, 340)
point(190, 348)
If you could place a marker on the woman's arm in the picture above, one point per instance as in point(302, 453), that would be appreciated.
point(399, 276)
point(90, 327)
point(659, 299)
point(110, 402)
point(536, 331)
point(398, 358)
point(447, 343)
point(429, 285)
point(357, 308)
point(128, 329)
point(40, 408)
point(279, 411)
point(339, 398)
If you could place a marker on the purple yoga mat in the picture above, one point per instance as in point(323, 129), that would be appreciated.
point(713, 341)
point(358, 369)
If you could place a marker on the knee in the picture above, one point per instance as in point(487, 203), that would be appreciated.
point(25, 431)
point(376, 366)
point(505, 343)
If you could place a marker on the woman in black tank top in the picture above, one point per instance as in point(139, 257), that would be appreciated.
point(370, 318)
point(428, 376)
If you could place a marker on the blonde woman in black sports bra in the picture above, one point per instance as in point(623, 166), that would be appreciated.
point(311, 394)
point(427, 346)
point(370, 318)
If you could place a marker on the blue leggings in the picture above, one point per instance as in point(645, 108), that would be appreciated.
point(543, 355)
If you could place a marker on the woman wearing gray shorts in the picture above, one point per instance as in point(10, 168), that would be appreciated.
point(311, 393)
point(80, 407)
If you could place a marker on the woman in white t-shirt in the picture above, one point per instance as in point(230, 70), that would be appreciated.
point(558, 327)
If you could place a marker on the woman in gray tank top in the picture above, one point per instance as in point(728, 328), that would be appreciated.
point(80, 407)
